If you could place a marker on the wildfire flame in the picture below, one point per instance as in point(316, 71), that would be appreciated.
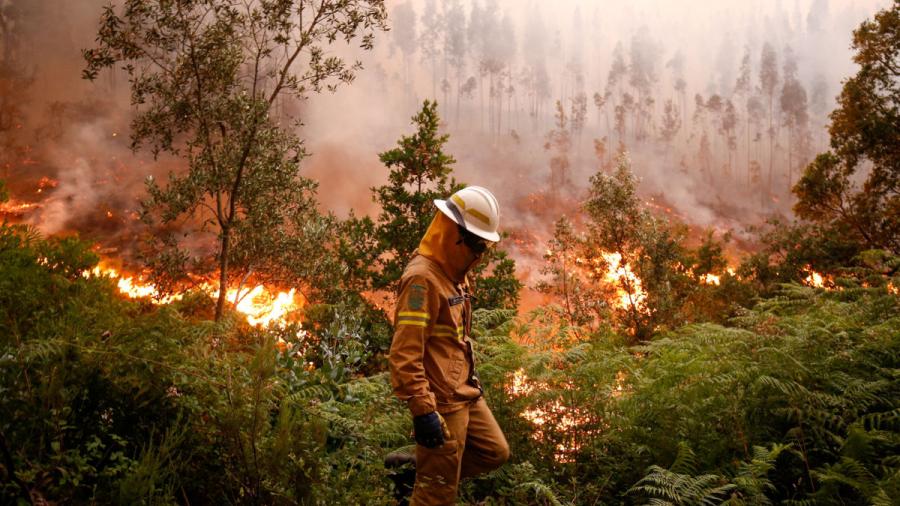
point(261, 306)
point(816, 279)
point(710, 279)
point(264, 308)
point(554, 415)
point(613, 270)
point(16, 208)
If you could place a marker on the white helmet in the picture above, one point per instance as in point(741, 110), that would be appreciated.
point(475, 209)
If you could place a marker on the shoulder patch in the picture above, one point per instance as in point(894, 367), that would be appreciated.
point(416, 296)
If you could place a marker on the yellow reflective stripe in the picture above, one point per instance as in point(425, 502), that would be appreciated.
point(474, 212)
point(480, 216)
point(448, 331)
point(413, 313)
point(415, 323)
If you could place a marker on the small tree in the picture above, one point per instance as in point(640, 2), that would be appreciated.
point(205, 75)
point(565, 279)
point(558, 143)
point(671, 123)
point(624, 236)
point(419, 173)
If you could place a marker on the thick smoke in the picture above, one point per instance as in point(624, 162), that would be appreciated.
point(497, 69)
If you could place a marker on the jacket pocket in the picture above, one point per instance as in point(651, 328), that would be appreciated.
point(455, 373)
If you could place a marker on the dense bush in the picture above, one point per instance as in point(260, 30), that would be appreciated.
point(107, 400)
point(794, 400)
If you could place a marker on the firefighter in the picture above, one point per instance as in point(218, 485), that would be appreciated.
point(431, 359)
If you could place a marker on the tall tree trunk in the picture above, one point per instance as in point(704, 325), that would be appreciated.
point(223, 271)
point(771, 147)
point(481, 96)
point(747, 131)
point(790, 155)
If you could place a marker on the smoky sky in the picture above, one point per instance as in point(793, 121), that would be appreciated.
point(701, 41)
point(78, 130)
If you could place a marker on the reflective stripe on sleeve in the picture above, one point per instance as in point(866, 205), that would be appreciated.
point(414, 318)
point(414, 323)
point(419, 314)
point(448, 331)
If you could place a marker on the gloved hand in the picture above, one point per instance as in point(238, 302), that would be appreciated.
point(429, 430)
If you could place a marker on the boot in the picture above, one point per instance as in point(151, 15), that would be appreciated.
point(401, 465)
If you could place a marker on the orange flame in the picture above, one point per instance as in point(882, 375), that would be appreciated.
point(14, 207)
point(816, 279)
point(554, 415)
point(710, 279)
point(260, 306)
point(613, 270)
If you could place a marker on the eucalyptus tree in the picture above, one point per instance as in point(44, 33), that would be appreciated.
point(204, 77)
point(432, 29)
point(795, 113)
point(455, 46)
point(768, 81)
point(404, 34)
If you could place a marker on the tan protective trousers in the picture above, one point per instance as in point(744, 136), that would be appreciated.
point(476, 446)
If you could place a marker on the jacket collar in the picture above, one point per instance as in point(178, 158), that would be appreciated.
point(442, 245)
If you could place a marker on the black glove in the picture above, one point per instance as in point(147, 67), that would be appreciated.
point(428, 430)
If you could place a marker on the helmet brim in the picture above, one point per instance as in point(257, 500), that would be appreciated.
point(484, 234)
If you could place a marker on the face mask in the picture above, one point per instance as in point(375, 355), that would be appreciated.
point(477, 244)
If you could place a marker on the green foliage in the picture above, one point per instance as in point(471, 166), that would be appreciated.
point(107, 400)
point(631, 268)
point(204, 78)
point(794, 400)
point(864, 127)
point(495, 284)
point(620, 224)
point(420, 172)
point(678, 485)
point(565, 281)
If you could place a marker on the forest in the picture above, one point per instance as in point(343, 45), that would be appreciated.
point(205, 218)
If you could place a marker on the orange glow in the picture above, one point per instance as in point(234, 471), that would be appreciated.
point(554, 415)
point(261, 306)
point(14, 207)
point(610, 266)
point(520, 385)
point(132, 287)
point(47, 182)
point(710, 279)
point(816, 279)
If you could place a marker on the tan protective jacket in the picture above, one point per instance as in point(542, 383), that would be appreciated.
point(431, 359)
